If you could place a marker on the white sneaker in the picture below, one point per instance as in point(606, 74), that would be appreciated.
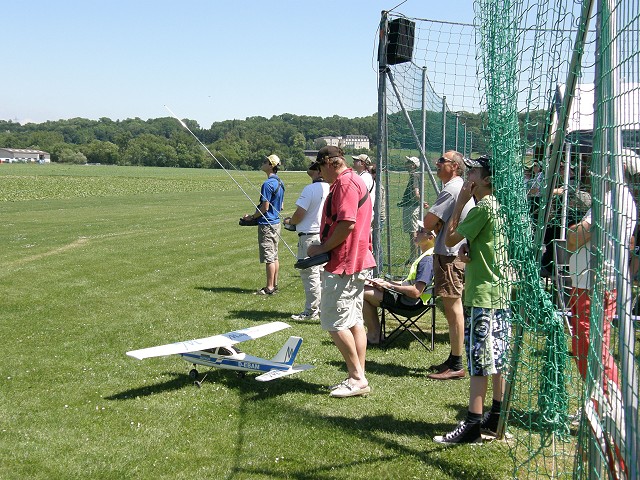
point(347, 390)
point(305, 316)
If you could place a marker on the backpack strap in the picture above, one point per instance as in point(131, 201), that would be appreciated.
point(334, 216)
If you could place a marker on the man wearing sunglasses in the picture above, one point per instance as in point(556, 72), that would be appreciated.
point(448, 268)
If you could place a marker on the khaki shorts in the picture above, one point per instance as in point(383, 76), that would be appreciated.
point(410, 217)
point(342, 300)
point(448, 276)
point(268, 236)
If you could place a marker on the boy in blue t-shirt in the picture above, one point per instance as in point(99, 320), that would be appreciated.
point(267, 215)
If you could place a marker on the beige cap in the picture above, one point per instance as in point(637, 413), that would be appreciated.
point(274, 160)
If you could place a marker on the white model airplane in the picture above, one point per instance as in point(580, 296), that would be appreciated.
point(219, 352)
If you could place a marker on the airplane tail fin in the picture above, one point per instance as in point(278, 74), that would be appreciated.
point(288, 352)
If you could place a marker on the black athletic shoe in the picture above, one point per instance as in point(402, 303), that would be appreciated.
point(489, 423)
point(463, 433)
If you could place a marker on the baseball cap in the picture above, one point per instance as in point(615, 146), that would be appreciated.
point(480, 162)
point(274, 160)
point(631, 161)
point(363, 158)
point(329, 151)
point(414, 160)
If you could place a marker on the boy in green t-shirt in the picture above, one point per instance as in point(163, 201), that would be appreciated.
point(487, 316)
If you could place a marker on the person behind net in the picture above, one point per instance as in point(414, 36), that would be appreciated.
point(411, 292)
point(580, 247)
point(362, 165)
point(307, 218)
point(486, 293)
point(346, 235)
point(268, 216)
point(410, 204)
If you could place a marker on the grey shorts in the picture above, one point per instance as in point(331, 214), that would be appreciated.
point(448, 276)
point(486, 339)
point(342, 300)
point(268, 236)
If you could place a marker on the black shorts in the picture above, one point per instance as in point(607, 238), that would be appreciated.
point(392, 299)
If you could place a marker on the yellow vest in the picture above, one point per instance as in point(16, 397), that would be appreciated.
point(413, 271)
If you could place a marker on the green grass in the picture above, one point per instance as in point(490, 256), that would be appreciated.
point(96, 261)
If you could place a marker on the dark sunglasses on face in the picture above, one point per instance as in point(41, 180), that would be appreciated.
point(442, 160)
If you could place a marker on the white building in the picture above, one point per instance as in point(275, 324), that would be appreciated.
point(355, 142)
point(23, 155)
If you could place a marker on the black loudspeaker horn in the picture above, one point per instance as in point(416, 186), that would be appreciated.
point(400, 42)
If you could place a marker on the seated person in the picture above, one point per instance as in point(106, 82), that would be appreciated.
point(411, 291)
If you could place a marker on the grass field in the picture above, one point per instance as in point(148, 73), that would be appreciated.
point(96, 261)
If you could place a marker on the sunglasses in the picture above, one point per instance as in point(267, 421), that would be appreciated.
point(442, 160)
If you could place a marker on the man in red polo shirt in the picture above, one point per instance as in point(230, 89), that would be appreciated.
point(345, 233)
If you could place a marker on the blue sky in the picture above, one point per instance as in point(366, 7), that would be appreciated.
point(206, 60)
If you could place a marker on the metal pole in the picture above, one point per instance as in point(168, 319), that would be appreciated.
point(563, 119)
point(464, 152)
point(444, 124)
point(457, 122)
point(382, 161)
point(626, 404)
point(413, 132)
point(424, 137)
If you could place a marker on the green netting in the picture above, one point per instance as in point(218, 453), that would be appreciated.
point(552, 85)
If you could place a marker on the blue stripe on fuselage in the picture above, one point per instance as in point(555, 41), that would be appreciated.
point(230, 363)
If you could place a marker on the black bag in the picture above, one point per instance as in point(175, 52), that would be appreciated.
point(313, 261)
point(252, 222)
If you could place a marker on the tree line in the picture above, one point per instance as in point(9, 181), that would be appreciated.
point(244, 143)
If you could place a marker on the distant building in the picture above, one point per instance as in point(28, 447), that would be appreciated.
point(23, 155)
point(311, 154)
point(356, 142)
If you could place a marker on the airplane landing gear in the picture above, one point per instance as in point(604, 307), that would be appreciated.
point(193, 374)
point(199, 383)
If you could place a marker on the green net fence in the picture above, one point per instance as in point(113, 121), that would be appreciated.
point(551, 91)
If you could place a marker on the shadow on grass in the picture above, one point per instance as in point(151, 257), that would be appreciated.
point(224, 289)
point(382, 431)
point(403, 340)
point(178, 382)
point(386, 369)
point(247, 385)
point(259, 315)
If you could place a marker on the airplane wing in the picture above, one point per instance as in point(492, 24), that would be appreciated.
point(273, 374)
point(223, 340)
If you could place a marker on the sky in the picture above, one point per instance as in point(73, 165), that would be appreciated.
point(207, 60)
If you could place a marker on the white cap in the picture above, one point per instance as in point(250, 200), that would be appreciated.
point(631, 161)
point(414, 160)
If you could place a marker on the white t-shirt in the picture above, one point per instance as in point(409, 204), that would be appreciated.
point(368, 181)
point(579, 263)
point(312, 200)
point(443, 209)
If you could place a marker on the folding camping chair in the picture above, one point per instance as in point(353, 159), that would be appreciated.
point(407, 317)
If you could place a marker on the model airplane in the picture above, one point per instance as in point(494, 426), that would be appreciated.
point(219, 352)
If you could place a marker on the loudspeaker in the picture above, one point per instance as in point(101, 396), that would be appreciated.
point(400, 44)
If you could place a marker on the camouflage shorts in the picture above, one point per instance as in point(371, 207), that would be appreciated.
point(486, 339)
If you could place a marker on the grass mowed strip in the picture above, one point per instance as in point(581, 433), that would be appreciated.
point(89, 273)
